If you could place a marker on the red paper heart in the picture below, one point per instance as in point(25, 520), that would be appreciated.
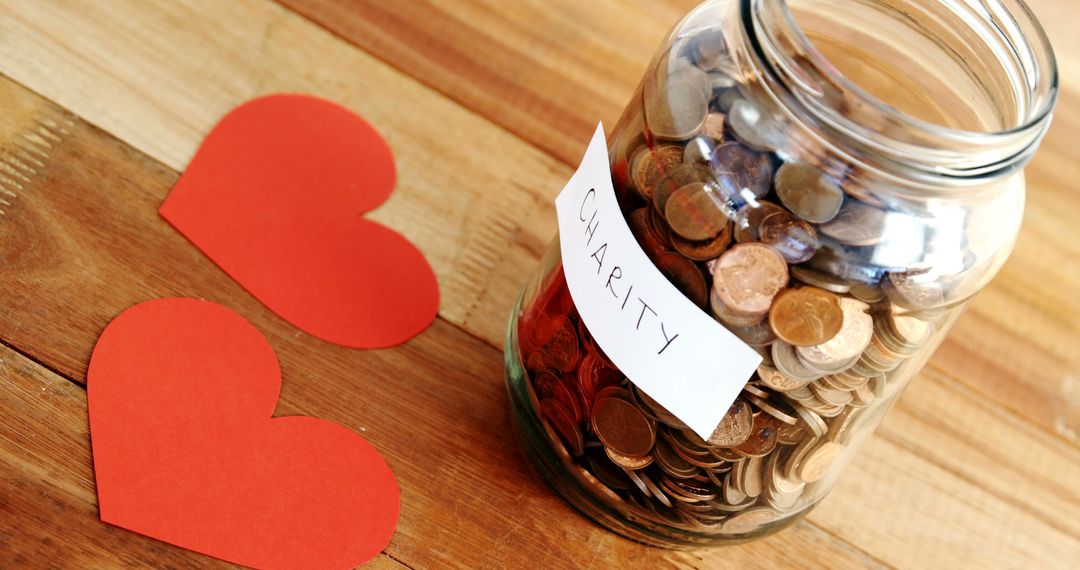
point(274, 196)
point(180, 394)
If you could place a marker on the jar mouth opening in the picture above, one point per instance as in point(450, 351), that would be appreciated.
point(1021, 80)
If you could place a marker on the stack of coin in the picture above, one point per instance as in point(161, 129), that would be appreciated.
point(781, 254)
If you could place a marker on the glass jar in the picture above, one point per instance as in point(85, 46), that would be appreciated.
point(832, 181)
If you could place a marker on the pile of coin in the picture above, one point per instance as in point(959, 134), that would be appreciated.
point(781, 254)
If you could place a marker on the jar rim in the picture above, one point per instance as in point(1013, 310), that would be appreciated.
point(802, 71)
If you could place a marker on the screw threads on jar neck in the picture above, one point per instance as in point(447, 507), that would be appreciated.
point(948, 93)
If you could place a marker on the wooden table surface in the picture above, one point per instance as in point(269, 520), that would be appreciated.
point(488, 105)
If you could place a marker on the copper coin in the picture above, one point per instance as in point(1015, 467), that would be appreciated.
point(594, 375)
point(653, 408)
point(856, 330)
point(660, 227)
point(748, 276)
point(694, 213)
point(535, 362)
point(623, 428)
point(907, 330)
point(703, 250)
point(820, 279)
point(685, 276)
point(679, 177)
point(806, 316)
point(607, 472)
point(727, 315)
point(628, 462)
point(569, 398)
point(762, 439)
point(672, 463)
point(687, 442)
point(649, 164)
point(643, 231)
point(793, 238)
point(589, 343)
point(544, 384)
point(745, 169)
point(558, 342)
point(748, 220)
point(617, 392)
point(808, 192)
point(735, 428)
point(714, 127)
point(554, 298)
point(792, 434)
point(818, 461)
point(559, 419)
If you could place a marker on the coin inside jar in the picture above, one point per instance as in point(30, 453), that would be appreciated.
point(748, 220)
point(856, 224)
point(744, 168)
point(735, 427)
point(779, 381)
point(647, 238)
point(817, 462)
point(806, 316)
point(748, 276)
point(693, 213)
point(680, 114)
point(855, 333)
point(793, 238)
point(649, 165)
point(750, 126)
point(623, 428)
point(763, 436)
point(706, 249)
point(807, 192)
point(685, 276)
point(559, 419)
point(714, 127)
point(820, 279)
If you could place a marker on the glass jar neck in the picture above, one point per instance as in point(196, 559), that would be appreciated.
point(931, 94)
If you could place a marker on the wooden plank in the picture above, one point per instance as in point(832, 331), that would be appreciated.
point(162, 96)
point(951, 479)
point(546, 71)
point(454, 60)
point(90, 246)
point(159, 76)
point(178, 67)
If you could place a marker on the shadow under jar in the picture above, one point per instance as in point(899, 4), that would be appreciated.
point(831, 180)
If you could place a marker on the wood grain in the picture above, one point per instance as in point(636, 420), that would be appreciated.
point(980, 352)
point(134, 74)
point(965, 470)
point(91, 245)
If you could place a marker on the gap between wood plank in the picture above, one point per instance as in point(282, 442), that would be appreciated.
point(462, 330)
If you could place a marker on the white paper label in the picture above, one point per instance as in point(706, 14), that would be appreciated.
point(663, 342)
